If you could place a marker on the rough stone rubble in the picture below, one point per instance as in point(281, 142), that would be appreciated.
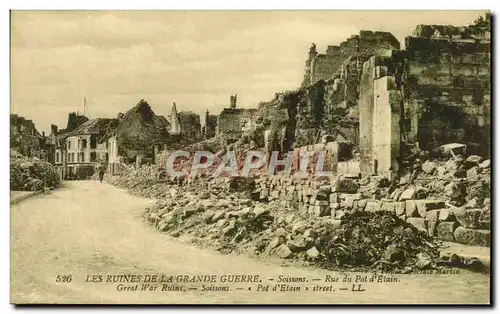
point(393, 225)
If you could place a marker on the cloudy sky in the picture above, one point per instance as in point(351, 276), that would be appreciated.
point(195, 58)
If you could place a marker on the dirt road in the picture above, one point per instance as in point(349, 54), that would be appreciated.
point(87, 228)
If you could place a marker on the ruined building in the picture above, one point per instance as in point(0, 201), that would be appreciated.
point(386, 101)
point(185, 123)
point(232, 121)
point(322, 66)
point(190, 125)
point(175, 123)
point(75, 119)
point(26, 140)
point(210, 125)
point(435, 92)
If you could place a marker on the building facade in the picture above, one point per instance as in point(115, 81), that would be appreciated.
point(79, 152)
point(232, 121)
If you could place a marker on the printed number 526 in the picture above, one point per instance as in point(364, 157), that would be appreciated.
point(63, 278)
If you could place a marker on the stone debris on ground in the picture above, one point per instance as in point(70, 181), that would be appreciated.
point(346, 222)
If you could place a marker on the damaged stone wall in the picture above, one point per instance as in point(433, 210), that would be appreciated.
point(380, 107)
point(324, 66)
point(231, 121)
point(439, 94)
point(468, 224)
point(386, 128)
point(447, 87)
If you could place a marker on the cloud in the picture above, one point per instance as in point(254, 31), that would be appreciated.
point(196, 58)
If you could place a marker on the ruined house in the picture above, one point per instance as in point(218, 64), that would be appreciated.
point(385, 100)
point(232, 121)
point(138, 132)
point(26, 140)
point(175, 123)
point(185, 123)
point(210, 125)
point(84, 148)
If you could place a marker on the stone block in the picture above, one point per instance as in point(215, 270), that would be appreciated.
point(485, 164)
point(321, 211)
point(467, 218)
point(474, 159)
point(472, 174)
point(279, 240)
point(460, 173)
point(446, 214)
point(432, 215)
point(407, 194)
point(441, 171)
point(396, 195)
point(400, 208)
point(282, 251)
point(454, 190)
point(411, 208)
point(472, 236)
point(207, 216)
point(484, 220)
point(339, 214)
point(343, 196)
point(298, 244)
point(388, 207)
point(445, 229)
point(349, 201)
point(334, 198)
point(322, 203)
point(473, 203)
point(334, 206)
point(313, 253)
point(322, 196)
point(428, 167)
point(300, 226)
point(362, 203)
point(423, 206)
point(218, 215)
point(431, 227)
point(372, 206)
point(345, 186)
point(419, 223)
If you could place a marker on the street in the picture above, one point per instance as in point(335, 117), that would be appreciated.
point(86, 228)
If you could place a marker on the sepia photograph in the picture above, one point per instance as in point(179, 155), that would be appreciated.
point(250, 157)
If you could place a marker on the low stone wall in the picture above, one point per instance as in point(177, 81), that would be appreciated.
point(334, 199)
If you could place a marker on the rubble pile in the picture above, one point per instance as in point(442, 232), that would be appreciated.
point(142, 181)
point(342, 222)
point(418, 205)
point(31, 173)
point(227, 220)
point(457, 193)
point(224, 214)
point(380, 240)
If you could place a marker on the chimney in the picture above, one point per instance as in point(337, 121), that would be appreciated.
point(233, 100)
point(53, 128)
point(43, 133)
